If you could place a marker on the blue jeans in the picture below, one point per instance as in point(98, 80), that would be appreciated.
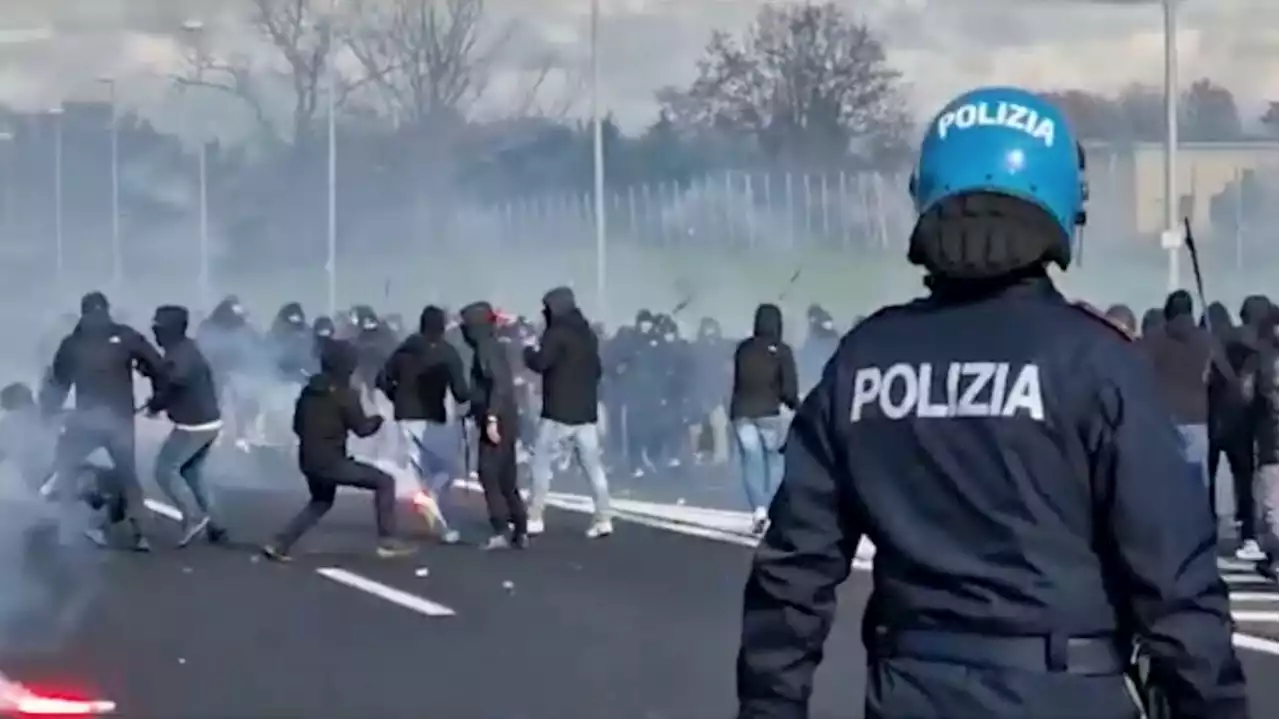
point(181, 461)
point(760, 452)
point(584, 442)
point(1195, 449)
point(435, 452)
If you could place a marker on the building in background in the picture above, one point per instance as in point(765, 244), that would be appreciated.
point(1228, 189)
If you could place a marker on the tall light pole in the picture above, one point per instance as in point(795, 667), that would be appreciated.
point(1171, 137)
point(597, 151)
point(195, 28)
point(59, 260)
point(6, 143)
point(331, 92)
point(117, 250)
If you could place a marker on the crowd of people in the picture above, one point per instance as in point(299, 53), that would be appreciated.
point(641, 401)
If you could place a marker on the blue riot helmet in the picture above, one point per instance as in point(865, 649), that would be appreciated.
point(1005, 141)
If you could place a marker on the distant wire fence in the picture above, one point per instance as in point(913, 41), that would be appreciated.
point(729, 210)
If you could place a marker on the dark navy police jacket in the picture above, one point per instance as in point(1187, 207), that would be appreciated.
point(1012, 461)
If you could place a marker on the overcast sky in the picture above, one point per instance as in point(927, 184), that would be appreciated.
point(53, 49)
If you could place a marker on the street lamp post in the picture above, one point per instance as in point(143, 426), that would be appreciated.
point(117, 250)
point(59, 261)
point(6, 142)
point(597, 151)
point(1171, 139)
point(195, 28)
point(331, 91)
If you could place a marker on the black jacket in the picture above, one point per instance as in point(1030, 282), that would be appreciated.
point(328, 409)
point(764, 369)
point(493, 391)
point(1181, 353)
point(1017, 469)
point(422, 369)
point(568, 358)
point(189, 395)
point(1265, 423)
point(98, 359)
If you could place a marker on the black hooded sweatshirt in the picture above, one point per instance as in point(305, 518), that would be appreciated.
point(1181, 353)
point(189, 395)
point(328, 408)
point(493, 391)
point(98, 359)
point(764, 369)
point(568, 358)
point(422, 369)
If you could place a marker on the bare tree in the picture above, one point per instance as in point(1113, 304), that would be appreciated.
point(302, 37)
point(806, 81)
point(430, 60)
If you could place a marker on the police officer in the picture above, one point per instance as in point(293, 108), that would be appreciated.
point(1008, 454)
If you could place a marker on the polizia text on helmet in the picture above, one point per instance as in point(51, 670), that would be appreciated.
point(1002, 114)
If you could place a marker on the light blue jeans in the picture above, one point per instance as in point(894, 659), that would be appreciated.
point(584, 442)
point(760, 452)
point(436, 455)
point(1195, 449)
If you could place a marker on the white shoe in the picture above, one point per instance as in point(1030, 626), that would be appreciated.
point(1249, 551)
point(534, 527)
point(759, 520)
point(600, 528)
point(450, 536)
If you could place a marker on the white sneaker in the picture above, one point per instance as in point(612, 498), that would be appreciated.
point(450, 536)
point(600, 528)
point(1249, 551)
point(759, 520)
point(534, 527)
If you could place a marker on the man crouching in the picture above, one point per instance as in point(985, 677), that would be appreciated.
point(328, 408)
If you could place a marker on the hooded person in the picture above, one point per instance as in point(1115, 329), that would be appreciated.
point(496, 417)
point(764, 381)
point(233, 350)
point(819, 345)
point(711, 360)
point(567, 358)
point(329, 409)
point(190, 400)
point(1183, 353)
point(1122, 317)
point(1260, 314)
point(1011, 459)
point(418, 378)
point(97, 360)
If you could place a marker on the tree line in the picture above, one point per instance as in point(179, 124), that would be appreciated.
point(804, 87)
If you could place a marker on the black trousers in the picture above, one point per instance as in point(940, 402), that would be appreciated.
point(86, 431)
point(496, 467)
point(323, 483)
point(1238, 448)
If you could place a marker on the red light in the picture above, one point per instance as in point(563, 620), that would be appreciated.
point(20, 701)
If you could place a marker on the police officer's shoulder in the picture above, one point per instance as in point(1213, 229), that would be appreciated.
point(1099, 319)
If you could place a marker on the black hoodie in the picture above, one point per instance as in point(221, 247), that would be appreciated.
point(422, 369)
point(1181, 353)
point(764, 369)
point(98, 359)
point(189, 395)
point(568, 358)
point(328, 408)
point(493, 392)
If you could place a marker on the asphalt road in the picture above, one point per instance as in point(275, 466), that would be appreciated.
point(640, 625)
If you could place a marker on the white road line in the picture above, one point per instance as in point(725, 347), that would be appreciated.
point(1255, 597)
point(164, 510)
point(1252, 616)
point(390, 594)
point(1243, 578)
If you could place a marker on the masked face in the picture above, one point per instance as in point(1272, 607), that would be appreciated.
point(644, 326)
